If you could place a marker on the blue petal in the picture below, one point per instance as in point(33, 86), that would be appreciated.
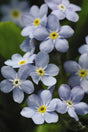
point(6, 86)
point(18, 95)
point(8, 72)
point(59, 14)
point(66, 31)
point(51, 117)
point(72, 113)
point(83, 49)
point(77, 94)
point(34, 11)
point(27, 112)
point(74, 80)
point(83, 61)
point(41, 33)
point(27, 86)
point(61, 107)
point(52, 70)
point(45, 96)
point(64, 92)
point(35, 77)
point(33, 101)
point(42, 59)
point(81, 108)
point(61, 45)
point(71, 66)
point(53, 23)
point(43, 10)
point(38, 118)
point(47, 46)
point(48, 80)
point(72, 16)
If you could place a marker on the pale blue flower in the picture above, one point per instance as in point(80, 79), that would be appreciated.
point(41, 108)
point(70, 101)
point(16, 82)
point(42, 70)
point(14, 11)
point(17, 60)
point(28, 45)
point(53, 35)
point(64, 9)
point(33, 19)
point(84, 48)
point(79, 70)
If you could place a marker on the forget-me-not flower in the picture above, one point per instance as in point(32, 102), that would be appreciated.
point(16, 82)
point(79, 70)
point(70, 101)
point(53, 35)
point(41, 108)
point(14, 11)
point(28, 45)
point(84, 48)
point(17, 60)
point(64, 9)
point(33, 19)
point(42, 70)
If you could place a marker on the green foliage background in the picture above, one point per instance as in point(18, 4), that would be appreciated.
point(10, 40)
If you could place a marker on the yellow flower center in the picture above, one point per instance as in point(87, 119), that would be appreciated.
point(42, 109)
point(82, 73)
point(54, 35)
point(22, 62)
point(69, 103)
point(40, 72)
point(16, 13)
point(37, 22)
point(62, 7)
point(16, 82)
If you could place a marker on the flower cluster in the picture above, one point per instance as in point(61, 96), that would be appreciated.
point(23, 74)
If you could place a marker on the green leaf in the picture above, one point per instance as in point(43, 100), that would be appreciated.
point(10, 39)
point(49, 128)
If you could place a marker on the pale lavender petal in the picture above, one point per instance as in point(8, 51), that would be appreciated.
point(74, 80)
point(61, 45)
point(73, 114)
point(60, 15)
point(73, 7)
point(64, 92)
point(42, 59)
point(48, 80)
point(83, 61)
point(27, 86)
point(53, 23)
point(18, 95)
point(61, 107)
point(77, 94)
point(8, 72)
point(27, 19)
point(35, 77)
point(6, 86)
point(71, 66)
point(72, 16)
point(66, 31)
point(37, 118)
point(27, 112)
point(45, 96)
point(33, 101)
point(16, 57)
point(66, 2)
point(52, 105)
point(84, 85)
point(86, 39)
point(53, 4)
point(34, 11)
point(52, 70)
point(43, 10)
point(81, 108)
point(41, 33)
point(47, 46)
point(51, 117)
point(83, 49)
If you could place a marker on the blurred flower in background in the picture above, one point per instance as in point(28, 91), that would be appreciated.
point(14, 11)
